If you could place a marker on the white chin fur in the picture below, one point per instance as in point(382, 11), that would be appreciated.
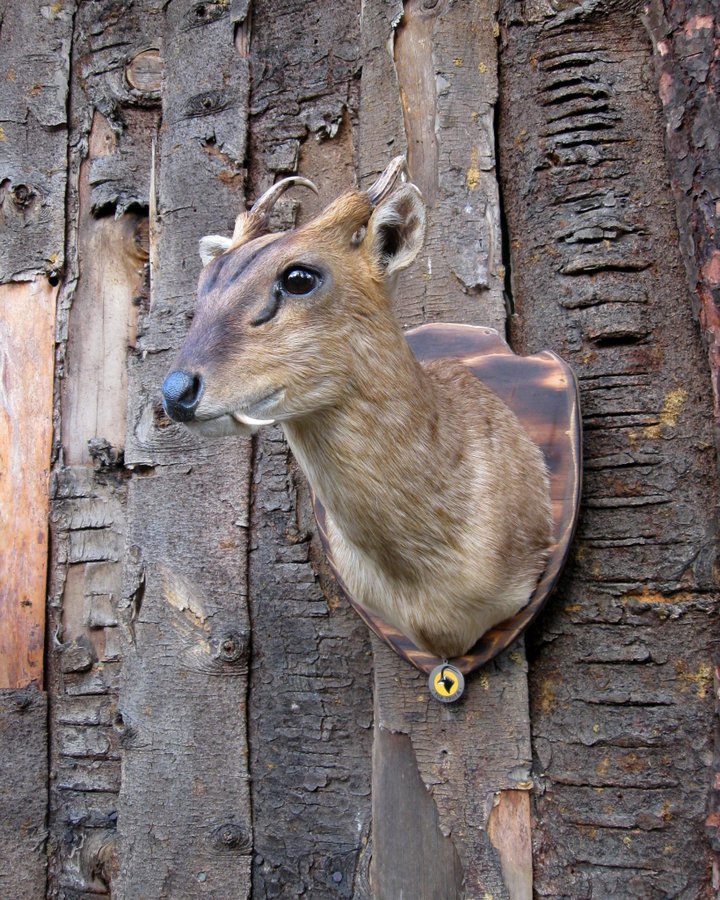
point(222, 426)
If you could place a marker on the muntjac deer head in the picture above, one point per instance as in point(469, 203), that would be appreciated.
point(436, 500)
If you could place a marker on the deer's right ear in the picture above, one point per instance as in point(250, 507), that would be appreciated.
point(213, 245)
point(396, 230)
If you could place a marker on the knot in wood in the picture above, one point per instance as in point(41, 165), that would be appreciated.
point(231, 837)
point(205, 13)
point(204, 104)
point(144, 72)
point(233, 647)
point(23, 195)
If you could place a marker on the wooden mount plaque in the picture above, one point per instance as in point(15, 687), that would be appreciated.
point(542, 392)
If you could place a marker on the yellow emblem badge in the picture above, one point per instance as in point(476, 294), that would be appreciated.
point(446, 683)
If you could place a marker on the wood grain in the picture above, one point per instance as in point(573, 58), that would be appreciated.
point(542, 392)
point(27, 357)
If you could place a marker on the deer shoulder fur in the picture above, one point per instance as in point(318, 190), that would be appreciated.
point(437, 501)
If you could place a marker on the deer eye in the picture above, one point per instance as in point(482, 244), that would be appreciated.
point(298, 281)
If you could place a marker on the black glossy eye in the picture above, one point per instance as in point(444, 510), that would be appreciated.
point(299, 281)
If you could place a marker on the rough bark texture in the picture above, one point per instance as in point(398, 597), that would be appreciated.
point(220, 724)
point(483, 746)
point(183, 687)
point(23, 792)
point(621, 666)
point(685, 36)
point(310, 700)
point(33, 174)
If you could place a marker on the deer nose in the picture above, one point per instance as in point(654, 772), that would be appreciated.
point(181, 395)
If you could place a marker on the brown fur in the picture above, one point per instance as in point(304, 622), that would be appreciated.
point(437, 501)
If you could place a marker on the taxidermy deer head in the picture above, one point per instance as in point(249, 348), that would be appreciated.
point(437, 502)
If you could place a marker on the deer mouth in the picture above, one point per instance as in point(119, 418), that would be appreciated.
point(261, 412)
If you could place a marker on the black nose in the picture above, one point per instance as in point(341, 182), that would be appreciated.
point(181, 393)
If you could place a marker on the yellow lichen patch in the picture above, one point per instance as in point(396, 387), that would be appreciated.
point(672, 408)
point(648, 596)
point(472, 179)
point(573, 608)
point(458, 62)
point(496, 29)
point(517, 657)
point(521, 140)
point(11, 75)
point(548, 694)
point(702, 679)
point(482, 68)
point(484, 682)
point(596, 728)
point(56, 8)
point(3, 136)
point(603, 767)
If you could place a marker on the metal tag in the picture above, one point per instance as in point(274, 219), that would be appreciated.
point(446, 683)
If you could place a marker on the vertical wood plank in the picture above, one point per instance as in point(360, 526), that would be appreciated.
point(35, 40)
point(183, 727)
point(23, 792)
point(622, 661)
point(466, 753)
point(310, 705)
point(114, 114)
point(27, 355)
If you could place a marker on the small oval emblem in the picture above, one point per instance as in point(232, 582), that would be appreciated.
point(446, 683)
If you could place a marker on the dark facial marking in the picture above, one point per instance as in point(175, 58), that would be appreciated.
point(271, 307)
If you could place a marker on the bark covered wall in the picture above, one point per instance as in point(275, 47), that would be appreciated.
point(220, 722)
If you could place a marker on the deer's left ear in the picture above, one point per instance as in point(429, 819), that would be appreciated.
point(213, 245)
point(396, 229)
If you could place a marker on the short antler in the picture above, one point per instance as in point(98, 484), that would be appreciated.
point(252, 224)
point(397, 168)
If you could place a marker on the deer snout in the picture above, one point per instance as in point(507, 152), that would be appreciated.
point(181, 395)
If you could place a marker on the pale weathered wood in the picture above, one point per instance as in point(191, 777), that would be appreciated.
point(467, 754)
point(510, 834)
point(103, 317)
point(621, 664)
point(27, 356)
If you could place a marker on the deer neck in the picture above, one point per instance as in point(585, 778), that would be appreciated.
point(374, 457)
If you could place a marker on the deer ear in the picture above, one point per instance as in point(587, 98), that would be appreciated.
point(213, 245)
point(396, 229)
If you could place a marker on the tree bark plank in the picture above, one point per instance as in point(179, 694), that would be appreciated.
point(483, 745)
point(621, 664)
point(184, 678)
point(23, 792)
point(33, 136)
point(105, 286)
point(310, 705)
